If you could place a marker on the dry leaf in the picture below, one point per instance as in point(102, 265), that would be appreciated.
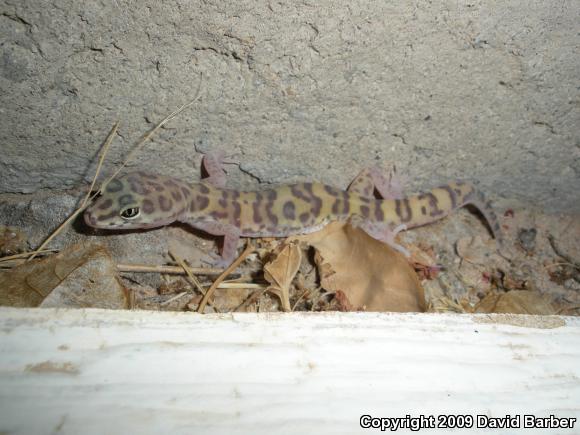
point(515, 302)
point(79, 276)
point(372, 275)
point(281, 271)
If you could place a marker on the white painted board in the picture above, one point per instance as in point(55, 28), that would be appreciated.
point(123, 372)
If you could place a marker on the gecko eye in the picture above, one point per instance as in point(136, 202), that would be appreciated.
point(130, 213)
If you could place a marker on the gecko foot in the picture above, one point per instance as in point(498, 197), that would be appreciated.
point(386, 235)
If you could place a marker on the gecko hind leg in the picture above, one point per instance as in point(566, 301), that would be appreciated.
point(388, 186)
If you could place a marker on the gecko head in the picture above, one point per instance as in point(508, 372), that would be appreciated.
point(138, 200)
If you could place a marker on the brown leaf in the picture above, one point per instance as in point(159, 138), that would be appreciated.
point(371, 274)
point(515, 302)
point(79, 276)
point(281, 271)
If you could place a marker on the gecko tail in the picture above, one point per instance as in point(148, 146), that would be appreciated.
point(477, 199)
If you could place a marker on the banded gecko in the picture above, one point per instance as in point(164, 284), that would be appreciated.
point(143, 200)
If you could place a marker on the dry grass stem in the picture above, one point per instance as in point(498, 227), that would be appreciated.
point(105, 149)
point(108, 142)
point(188, 271)
point(173, 299)
point(23, 255)
point(249, 249)
point(172, 270)
point(242, 285)
point(150, 134)
point(86, 199)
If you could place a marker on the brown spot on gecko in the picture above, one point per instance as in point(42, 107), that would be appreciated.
point(203, 188)
point(202, 202)
point(423, 210)
point(223, 201)
point(237, 213)
point(185, 191)
point(147, 206)
point(105, 204)
point(379, 215)
point(345, 203)
point(365, 211)
point(271, 195)
point(256, 208)
point(452, 195)
point(331, 191)
point(139, 189)
point(335, 206)
point(165, 203)
point(114, 186)
point(317, 202)
point(289, 210)
point(433, 203)
point(126, 200)
point(304, 217)
point(404, 215)
point(298, 193)
point(176, 195)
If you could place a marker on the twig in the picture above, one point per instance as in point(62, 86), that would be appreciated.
point(108, 142)
point(108, 180)
point(174, 298)
point(174, 270)
point(151, 133)
point(242, 285)
point(25, 254)
point(188, 271)
point(86, 198)
point(249, 249)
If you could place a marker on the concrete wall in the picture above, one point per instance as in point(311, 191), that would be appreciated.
point(482, 90)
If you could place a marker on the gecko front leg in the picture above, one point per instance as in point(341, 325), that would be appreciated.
point(214, 171)
point(230, 233)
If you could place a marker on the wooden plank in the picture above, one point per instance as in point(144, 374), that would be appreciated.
point(94, 371)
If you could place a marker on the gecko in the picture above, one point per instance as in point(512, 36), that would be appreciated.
point(373, 202)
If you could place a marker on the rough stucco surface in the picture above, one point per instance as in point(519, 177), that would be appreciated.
point(482, 90)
